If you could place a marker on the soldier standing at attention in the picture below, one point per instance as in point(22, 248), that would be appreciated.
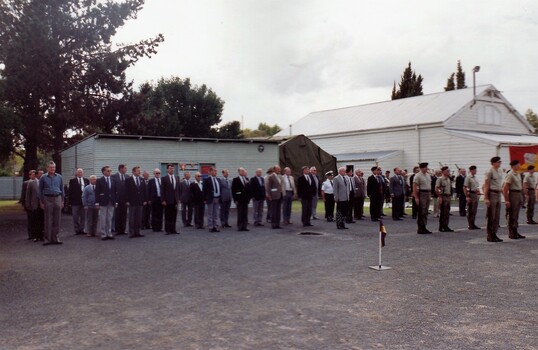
point(443, 188)
point(529, 187)
point(421, 192)
point(492, 198)
point(512, 196)
point(472, 191)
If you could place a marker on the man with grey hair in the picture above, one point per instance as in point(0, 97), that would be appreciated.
point(341, 197)
point(225, 197)
point(289, 191)
point(76, 187)
point(146, 210)
point(317, 189)
point(257, 188)
point(90, 207)
point(51, 195)
point(273, 192)
point(212, 191)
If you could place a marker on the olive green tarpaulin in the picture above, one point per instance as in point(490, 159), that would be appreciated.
point(299, 151)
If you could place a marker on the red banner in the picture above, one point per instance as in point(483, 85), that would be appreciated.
point(527, 155)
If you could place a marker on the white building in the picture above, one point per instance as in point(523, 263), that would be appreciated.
point(448, 128)
point(150, 152)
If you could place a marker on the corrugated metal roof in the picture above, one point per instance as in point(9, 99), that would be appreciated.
point(425, 109)
point(497, 139)
point(376, 155)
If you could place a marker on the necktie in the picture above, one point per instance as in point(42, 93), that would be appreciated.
point(172, 181)
point(137, 182)
point(345, 182)
point(215, 187)
point(93, 188)
point(308, 179)
point(242, 180)
point(107, 182)
point(331, 181)
point(122, 178)
point(81, 184)
point(158, 187)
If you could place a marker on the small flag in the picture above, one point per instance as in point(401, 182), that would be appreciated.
point(383, 233)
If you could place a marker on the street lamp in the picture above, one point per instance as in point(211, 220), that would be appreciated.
point(476, 69)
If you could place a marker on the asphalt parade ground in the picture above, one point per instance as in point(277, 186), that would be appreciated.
point(270, 289)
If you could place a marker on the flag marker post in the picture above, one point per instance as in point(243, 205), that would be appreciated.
point(382, 231)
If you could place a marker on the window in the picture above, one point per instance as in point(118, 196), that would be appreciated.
point(489, 115)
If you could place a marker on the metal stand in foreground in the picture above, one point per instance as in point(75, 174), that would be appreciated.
point(379, 267)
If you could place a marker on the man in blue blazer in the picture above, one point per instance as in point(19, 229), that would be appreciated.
point(136, 200)
point(105, 194)
point(212, 192)
point(90, 207)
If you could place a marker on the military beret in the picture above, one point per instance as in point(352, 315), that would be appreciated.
point(472, 167)
point(423, 165)
point(530, 167)
point(514, 162)
point(495, 159)
point(444, 168)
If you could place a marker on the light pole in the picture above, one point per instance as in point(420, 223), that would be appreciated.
point(476, 69)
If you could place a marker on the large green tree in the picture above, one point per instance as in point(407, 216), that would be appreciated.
point(172, 107)
point(410, 84)
point(460, 77)
point(532, 118)
point(264, 130)
point(60, 72)
point(450, 84)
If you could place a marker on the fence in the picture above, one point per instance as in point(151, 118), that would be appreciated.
point(10, 187)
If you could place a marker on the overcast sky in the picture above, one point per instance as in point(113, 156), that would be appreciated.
point(276, 61)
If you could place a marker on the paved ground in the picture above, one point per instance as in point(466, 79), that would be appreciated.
point(270, 290)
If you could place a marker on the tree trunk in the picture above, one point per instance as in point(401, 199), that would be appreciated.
point(30, 159)
point(57, 153)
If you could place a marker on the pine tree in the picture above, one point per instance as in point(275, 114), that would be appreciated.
point(532, 118)
point(450, 85)
point(410, 84)
point(460, 77)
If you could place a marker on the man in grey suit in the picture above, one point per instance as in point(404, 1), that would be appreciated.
point(273, 192)
point(185, 197)
point(397, 193)
point(33, 210)
point(225, 197)
point(341, 197)
point(360, 194)
point(120, 213)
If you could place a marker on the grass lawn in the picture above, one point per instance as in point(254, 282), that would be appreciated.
point(7, 206)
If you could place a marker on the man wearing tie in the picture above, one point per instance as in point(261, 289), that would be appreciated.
point(374, 189)
point(241, 194)
point(170, 199)
point(76, 187)
point(289, 191)
point(105, 197)
point(397, 188)
point(359, 195)
point(154, 193)
point(257, 188)
point(120, 213)
point(273, 192)
point(306, 191)
point(211, 190)
point(146, 211)
point(185, 197)
point(198, 200)
point(341, 197)
point(327, 193)
point(317, 189)
point(90, 207)
point(225, 198)
point(136, 200)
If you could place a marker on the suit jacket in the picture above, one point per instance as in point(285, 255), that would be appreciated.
point(197, 193)
point(257, 190)
point(374, 188)
point(75, 190)
point(241, 192)
point(360, 187)
point(273, 186)
point(306, 190)
point(340, 188)
point(225, 189)
point(22, 200)
point(168, 193)
point(104, 195)
point(459, 185)
point(121, 194)
point(209, 188)
point(153, 195)
point(292, 183)
point(136, 195)
point(88, 197)
point(317, 184)
point(31, 200)
point(397, 185)
point(185, 193)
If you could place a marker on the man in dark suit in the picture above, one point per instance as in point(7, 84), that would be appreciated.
point(76, 187)
point(459, 191)
point(170, 199)
point(306, 190)
point(198, 201)
point(225, 197)
point(241, 194)
point(374, 188)
point(351, 204)
point(146, 211)
point(397, 194)
point(185, 197)
point(154, 196)
point(136, 200)
point(317, 191)
point(31, 206)
point(212, 192)
point(120, 213)
point(105, 196)
point(273, 192)
point(257, 189)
